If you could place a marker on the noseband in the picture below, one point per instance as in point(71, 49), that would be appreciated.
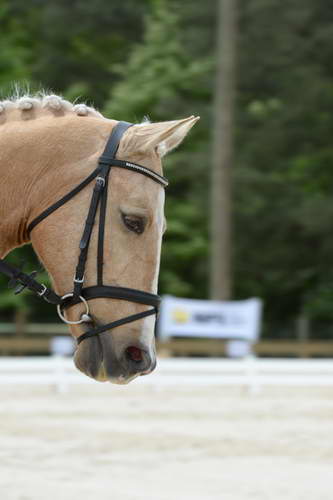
point(80, 293)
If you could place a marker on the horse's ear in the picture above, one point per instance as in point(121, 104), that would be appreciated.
point(162, 136)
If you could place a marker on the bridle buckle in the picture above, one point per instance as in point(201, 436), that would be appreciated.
point(100, 180)
point(77, 280)
point(43, 291)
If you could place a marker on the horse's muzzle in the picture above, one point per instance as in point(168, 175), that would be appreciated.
point(100, 361)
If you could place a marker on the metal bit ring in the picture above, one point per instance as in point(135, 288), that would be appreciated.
point(62, 317)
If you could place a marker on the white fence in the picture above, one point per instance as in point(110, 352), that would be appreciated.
point(251, 372)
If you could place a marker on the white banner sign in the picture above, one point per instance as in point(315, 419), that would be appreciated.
point(208, 318)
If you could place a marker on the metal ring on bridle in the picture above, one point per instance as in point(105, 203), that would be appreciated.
point(61, 316)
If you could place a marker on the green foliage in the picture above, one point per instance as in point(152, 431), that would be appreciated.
point(283, 178)
point(159, 75)
point(14, 54)
point(158, 78)
point(68, 46)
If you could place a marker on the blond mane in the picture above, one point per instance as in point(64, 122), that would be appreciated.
point(42, 103)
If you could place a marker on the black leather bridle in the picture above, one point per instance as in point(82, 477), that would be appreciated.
point(79, 293)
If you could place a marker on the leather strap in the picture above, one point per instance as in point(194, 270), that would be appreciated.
point(62, 200)
point(114, 324)
point(101, 232)
point(88, 227)
point(27, 281)
point(115, 292)
point(112, 145)
point(136, 168)
point(109, 151)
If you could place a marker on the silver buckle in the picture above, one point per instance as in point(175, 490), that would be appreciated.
point(76, 280)
point(101, 179)
point(43, 291)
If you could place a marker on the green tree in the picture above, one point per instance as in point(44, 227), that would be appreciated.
point(162, 81)
point(284, 175)
point(14, 54)
point(69, 47)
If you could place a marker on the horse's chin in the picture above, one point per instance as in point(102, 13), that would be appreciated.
point(88, 358)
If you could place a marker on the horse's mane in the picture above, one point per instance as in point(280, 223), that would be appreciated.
point(43, 101)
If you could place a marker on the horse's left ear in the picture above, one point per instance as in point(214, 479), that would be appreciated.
point(173, 134)
point(162, 136)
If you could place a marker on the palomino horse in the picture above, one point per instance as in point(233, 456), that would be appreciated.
point(47, 148)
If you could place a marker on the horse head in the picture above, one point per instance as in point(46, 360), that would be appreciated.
point(63, 147)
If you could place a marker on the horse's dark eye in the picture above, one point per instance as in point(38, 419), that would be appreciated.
point(133, 223)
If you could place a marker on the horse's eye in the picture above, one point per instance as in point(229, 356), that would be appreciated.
point(134, 223)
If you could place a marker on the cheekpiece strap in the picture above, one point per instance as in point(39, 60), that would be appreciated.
point(112, 145)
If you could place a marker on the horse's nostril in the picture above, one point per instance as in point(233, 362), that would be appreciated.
point(134, 354)
point(137, 361)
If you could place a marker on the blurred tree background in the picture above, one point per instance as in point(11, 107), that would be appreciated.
point(157, 58)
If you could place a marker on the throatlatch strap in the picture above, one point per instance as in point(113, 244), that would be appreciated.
point(63, 200)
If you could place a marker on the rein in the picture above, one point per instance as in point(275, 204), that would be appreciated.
point(80, 294)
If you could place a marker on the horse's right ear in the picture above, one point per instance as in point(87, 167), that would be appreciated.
point(162, 136)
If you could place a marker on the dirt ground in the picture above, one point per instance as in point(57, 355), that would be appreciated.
point(169, 443)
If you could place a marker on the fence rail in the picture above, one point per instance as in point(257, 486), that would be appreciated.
point(252, 373)
point(34, 338)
